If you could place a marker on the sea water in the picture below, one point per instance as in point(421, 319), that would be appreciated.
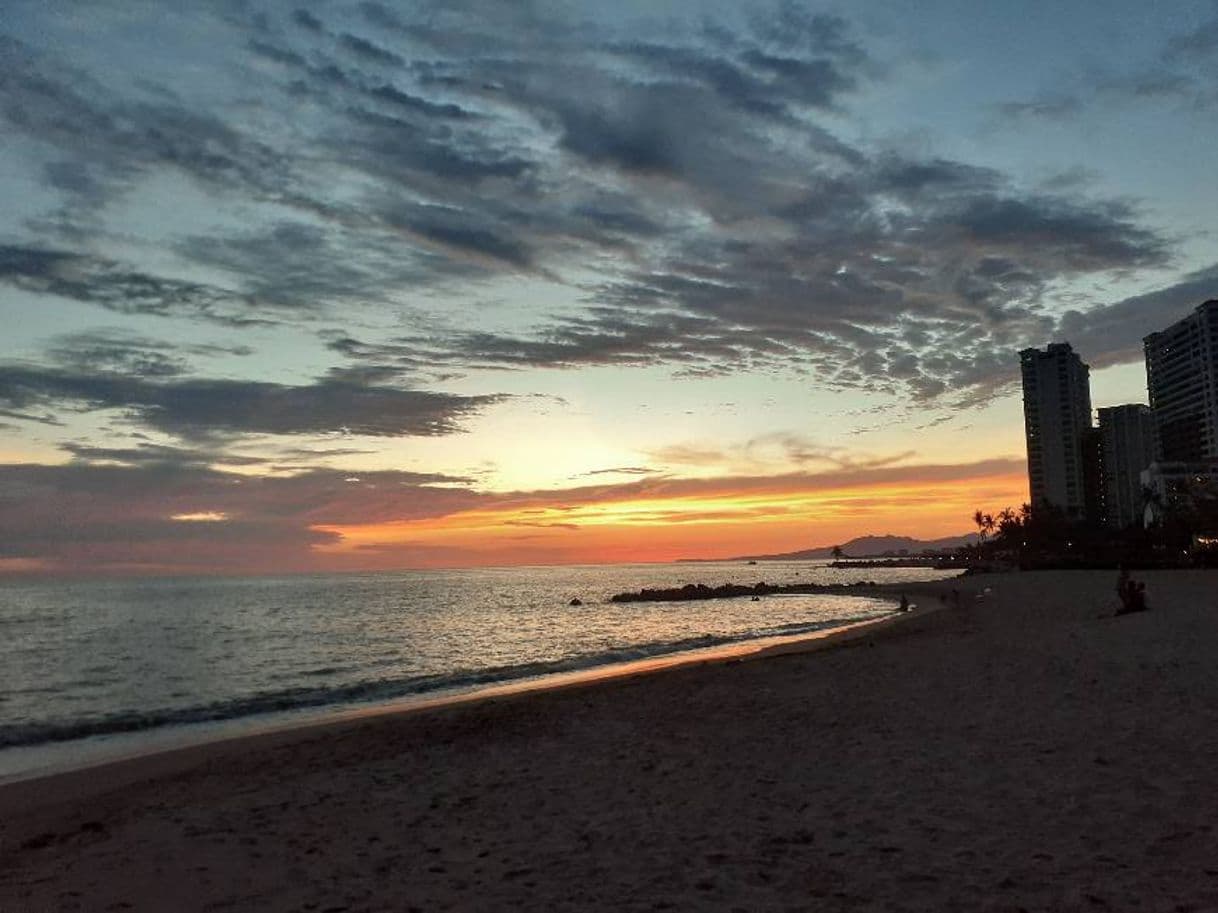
point(83, 662)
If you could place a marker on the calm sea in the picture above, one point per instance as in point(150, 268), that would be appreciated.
point(122, 662)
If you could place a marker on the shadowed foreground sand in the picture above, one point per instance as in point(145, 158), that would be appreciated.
point(1017, 753)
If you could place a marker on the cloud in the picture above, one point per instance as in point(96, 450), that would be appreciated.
point(200, 408)
point(1183, 71)
point(111, 351)
point(773, 452)
point(307, 20)
point(122, 289)
point(680, 187)
point(299, 269)
point(145, 454)
point(915, 278)
point(1112, 334)
point(617, 470)
point(1201, 42)
point(92, 515)
point(1048, 107)
point(368, 51)
point(108, 143)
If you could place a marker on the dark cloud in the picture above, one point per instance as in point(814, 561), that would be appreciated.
point(87, 516)
point(686, 177)
point(1056, 107)
point(468, 233)
point(200, 408)
point(111, 142)
point(121, 288)
point(145, 454)
point(294, 265)
point(753, 81)
point(1201, 42)
point(312, 454)
point(307, 20)
point(1086, 238)
point(791, 25)
point(925, 296)
point(618, 470)
point(107, 352)
point(1113, 333)
point(277, 54)
point(366, 50)
point(418, 105)
point(45, 418)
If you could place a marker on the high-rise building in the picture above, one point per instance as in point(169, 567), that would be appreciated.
point(1127, 447)
point(1057, 419)
point(1179, 489)
point(1182, 379)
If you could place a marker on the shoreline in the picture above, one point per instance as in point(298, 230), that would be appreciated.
point(1027, 750)
point(177, 747)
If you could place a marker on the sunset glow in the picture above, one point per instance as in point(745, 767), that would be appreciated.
point(409, 285)
point(717, 522)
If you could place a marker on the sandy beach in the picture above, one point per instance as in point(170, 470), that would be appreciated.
point(1020, 752)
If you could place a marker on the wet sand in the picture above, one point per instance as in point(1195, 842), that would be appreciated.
point(1017, 752)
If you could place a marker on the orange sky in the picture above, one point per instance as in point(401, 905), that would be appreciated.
point(703, 519)
point(96, 519)
point(614, 288)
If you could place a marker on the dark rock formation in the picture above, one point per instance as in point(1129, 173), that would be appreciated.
point(729, 591)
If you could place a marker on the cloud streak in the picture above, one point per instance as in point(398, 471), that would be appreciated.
point(204, 408)
point(1183, 72)
point(681, 187)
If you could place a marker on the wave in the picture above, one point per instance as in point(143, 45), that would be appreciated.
point(28, 733)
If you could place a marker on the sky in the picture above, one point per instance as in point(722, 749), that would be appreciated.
point(357, 286)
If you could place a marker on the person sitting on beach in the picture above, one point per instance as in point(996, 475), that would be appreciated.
point(1132, 593)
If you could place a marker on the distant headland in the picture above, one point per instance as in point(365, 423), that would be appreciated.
point(862, 547)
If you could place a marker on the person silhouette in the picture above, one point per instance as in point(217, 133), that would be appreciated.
point(1132, 593)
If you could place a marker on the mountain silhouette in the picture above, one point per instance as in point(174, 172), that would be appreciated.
point(868, 547)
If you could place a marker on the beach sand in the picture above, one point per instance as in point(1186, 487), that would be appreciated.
point(1020, 752)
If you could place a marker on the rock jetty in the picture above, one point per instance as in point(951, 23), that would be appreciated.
point(729, 591)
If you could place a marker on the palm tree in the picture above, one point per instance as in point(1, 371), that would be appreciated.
point(837, 552)
point(985, 524)
point(1008, 522)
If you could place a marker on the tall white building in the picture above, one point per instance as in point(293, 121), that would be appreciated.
point(1127, 447)
point(1182, 380)
point(1057, 423)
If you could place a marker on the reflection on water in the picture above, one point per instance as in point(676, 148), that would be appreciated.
point(80, 658)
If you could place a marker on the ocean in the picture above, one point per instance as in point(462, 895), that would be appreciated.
point(95, 668)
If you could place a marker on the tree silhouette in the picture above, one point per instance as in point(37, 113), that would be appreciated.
point(985, 524)
point(1009, 523)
